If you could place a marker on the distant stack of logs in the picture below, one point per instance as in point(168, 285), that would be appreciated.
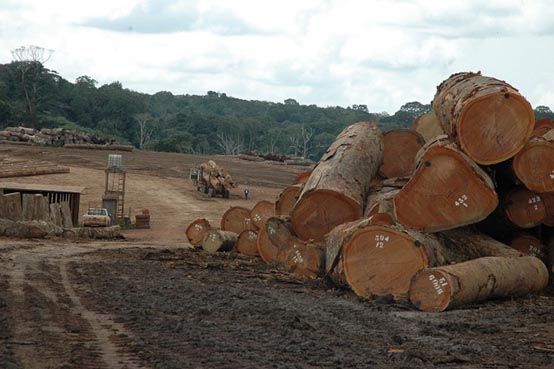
point(59, 137)
point(455, 211)
point(23, 168)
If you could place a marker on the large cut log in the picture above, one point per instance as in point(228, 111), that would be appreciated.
point(428, 126)
point(529, 245)
point(97, 233)
point(534, 164)
point(336, 190)
point(237, 219)
point(400, 147)
point(448, 190)
point(268, 251)
point(247, 243)
point(380, 260)
point(67, 219)
point(33, 229)
point(301, 257)
point(261, 212)
point(488, 118)
point(542, 126)
point(197, 230)
point(218, 240)
point(302, 178)
point(524, 208)
point(438, 289)
point(548, 199)
point(33, 171)
point(56, 214)
point(287, 199)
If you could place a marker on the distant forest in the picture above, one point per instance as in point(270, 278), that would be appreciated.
point(34, 96)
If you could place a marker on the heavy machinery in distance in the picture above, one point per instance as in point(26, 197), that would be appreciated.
point(211, 179)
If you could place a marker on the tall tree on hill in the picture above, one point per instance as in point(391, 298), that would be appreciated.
point(30, 62)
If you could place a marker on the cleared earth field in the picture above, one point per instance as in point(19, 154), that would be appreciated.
point(152, 302)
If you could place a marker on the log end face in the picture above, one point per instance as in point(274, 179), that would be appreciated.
point(319, 211)
point(212, 241)
point(534, 166)
point(237, 219)
point(267, 250)
point(430, 290)
point(197, 230)
point(261, 212)
point(524, 208)
point(445, 192)
point(381, 261)
point(494, 127)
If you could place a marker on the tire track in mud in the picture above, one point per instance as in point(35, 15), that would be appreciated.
point(110, 336)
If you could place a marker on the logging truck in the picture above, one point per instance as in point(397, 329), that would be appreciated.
point(212, 180)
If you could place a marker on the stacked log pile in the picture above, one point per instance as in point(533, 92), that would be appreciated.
point(463, 215)
point(59, 137)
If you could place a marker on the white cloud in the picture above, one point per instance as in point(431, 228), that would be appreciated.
point(376, 52)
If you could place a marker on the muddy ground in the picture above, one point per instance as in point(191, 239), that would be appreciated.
point(152, 302)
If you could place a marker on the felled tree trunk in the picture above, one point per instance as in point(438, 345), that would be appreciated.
point(488, 118)
point(268, 251)
point(428, 126)
point(197, 230)
point(448, 190)
point(247, 243)
point(524, 208)
point(287, 199)
point(400, 147)
point(298, 256)
point(336, 189)
point(27, 172)
point(218, 240)
point(237, 219)
point(438, 289)
point(380, 201)
point(380, 260)
point(534, 164)
point(529, 245)
point(261, 212)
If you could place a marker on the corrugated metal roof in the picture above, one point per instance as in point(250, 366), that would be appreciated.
point(40, 187)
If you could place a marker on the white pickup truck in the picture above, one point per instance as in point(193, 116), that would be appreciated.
point(96, 217)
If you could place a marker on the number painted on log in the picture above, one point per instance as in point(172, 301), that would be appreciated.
point(462, 201)
point(535, 200)
point(381, 240)
point(438, 284)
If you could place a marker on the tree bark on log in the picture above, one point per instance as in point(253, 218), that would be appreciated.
point(542, 126)
point(219, 240)
point(336, 190)
point(197, 230)
point(488, 118)
point(400, 147)
point(381, 260)
point(247, 243)
point(287, 199)
point(428, 126)
point(534, 164)
point(261, 212)
point(237, 219)
point(298, 256)
point(438, 289)
point(381, 201)
point(448, 190)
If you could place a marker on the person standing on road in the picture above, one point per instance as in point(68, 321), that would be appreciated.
point(246, 193)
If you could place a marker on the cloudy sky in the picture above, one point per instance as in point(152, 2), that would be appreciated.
point(376, 52)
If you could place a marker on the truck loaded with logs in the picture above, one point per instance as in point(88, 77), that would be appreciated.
point(456, 210)
point(211, 179)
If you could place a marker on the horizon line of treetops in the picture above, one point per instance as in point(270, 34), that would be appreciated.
point(214, 123)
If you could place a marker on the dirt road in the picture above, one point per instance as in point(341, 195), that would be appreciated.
point(151, 302)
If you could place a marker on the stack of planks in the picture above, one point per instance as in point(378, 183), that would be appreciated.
point(457, 210)
point(22, 168)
